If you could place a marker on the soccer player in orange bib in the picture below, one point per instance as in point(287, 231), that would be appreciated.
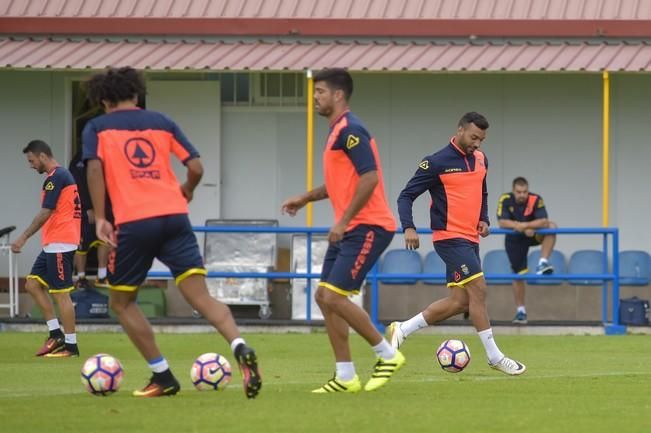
point(364, 227)
point(128, 153)
point(455, 177)
point(60, 220)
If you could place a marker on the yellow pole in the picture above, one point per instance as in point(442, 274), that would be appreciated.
point(606, 146)
point(309, 144)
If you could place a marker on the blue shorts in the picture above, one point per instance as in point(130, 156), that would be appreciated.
point(517, 248)
point(348, 261)
point(167, 238)
point(54, 271)
point(88, 238)
point(461, 258)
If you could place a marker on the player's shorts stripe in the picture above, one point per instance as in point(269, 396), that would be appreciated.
point(96, 243)
point(338, 290)
point(123, 288)
point(190, 272)
point(39, 279)
point(463, 282)
point(66, 290)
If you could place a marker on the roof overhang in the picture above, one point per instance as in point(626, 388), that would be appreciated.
point(299, 55)
point(336, 27)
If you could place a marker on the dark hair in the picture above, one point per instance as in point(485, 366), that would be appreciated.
point(37, 147)
point(338, 79)
point(476, 118)
point(520, 181)
point(115, 85)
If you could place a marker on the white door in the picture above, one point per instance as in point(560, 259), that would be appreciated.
point(196, 107)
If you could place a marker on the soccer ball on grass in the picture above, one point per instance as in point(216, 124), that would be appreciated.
point(453, 355)
point(210, 371)
point(102, 374)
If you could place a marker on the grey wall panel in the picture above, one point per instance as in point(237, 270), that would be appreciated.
point(27, 111)
point(544, 127)
point(630, 202)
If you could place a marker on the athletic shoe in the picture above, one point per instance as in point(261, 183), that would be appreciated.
point(338, 385)
point(69, 351)
point(384, 370)
point(102, 282)
point(544, 268)
point(156, 388)
point(520, 318)
point(248, 362)
point(52, 345)
point(82, 284)
point(509, 366)
point(395, 335)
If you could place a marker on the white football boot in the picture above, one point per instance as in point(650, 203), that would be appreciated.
point(509, 366)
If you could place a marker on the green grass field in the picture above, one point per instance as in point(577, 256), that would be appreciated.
point(573, 384)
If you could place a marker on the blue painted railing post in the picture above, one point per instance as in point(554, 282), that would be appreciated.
point(616, 280)
point(308, 289)
point(615, 328)
point(604, 286)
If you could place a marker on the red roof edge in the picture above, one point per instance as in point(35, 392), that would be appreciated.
point(322, 27)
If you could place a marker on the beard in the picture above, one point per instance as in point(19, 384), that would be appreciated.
point(324, 111)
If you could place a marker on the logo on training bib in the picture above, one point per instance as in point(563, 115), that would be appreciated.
point(352, 141)
point(424, 165)
point(140, 152)
point(49, 186)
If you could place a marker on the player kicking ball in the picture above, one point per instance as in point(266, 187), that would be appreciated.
point(128, 153)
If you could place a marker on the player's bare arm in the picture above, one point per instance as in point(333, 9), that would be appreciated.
point(540, 223)
point(97, 190)
point(526, 227)
point(38, 221)
point(194, 175)
point(295, 203)
point(511, 224)
point(530, 227)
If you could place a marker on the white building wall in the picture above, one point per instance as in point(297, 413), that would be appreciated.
point(31, 107)
point(630, 202)
point(544, 127)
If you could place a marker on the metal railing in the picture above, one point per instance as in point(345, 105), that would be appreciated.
point(5, 250)
point(605, 276)
point(374, 277)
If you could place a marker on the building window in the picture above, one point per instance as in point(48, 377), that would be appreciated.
point(235, 88)
point(248, 89)
point(280, 88)
point(261, 89)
